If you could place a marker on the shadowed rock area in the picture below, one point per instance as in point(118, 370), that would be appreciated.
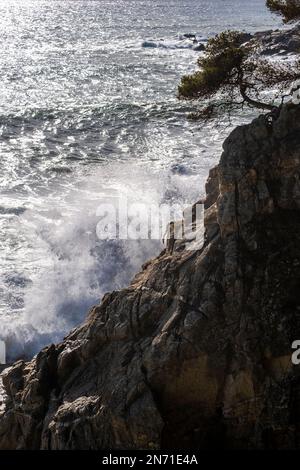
point(279, 42)
point(197, 351)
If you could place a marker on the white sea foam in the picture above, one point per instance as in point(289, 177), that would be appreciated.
point(71, 268)
point(86, 112)
point(180, 44)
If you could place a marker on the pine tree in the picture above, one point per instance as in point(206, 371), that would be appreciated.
point(232, 74)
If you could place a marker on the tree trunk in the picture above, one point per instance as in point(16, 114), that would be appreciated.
point(254, 103)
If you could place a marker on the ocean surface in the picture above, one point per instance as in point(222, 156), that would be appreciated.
point(88, 110)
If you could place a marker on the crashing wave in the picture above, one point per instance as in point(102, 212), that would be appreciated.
point(185, 41)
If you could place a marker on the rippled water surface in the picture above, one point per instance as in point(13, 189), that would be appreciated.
point(88, 108)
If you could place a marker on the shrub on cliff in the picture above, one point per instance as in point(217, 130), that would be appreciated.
point(232, 74)
point(288, 9)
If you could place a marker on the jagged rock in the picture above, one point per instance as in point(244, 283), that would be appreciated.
point(279, 42)
point(196, 352)
point(199, 47)
point(189, 35)
point(245, 37)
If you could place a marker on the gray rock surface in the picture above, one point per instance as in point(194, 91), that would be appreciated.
point(196, 352)
point(280, 41)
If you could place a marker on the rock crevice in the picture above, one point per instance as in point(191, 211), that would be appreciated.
point(196, 352)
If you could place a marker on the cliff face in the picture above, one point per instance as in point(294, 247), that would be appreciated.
point(197, 351)
point(279, 42)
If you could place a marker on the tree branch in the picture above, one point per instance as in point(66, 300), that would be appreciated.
point(251, 102)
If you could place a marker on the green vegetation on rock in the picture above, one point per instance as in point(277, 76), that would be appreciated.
point(232, 74)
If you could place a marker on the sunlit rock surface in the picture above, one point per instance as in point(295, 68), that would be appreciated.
point(197, 351)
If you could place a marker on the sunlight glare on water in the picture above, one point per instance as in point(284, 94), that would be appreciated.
point(88, 106)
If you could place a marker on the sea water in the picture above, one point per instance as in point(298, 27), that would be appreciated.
point(88, 109)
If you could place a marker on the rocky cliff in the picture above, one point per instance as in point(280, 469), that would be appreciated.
point(279, 41)
point(197, 351)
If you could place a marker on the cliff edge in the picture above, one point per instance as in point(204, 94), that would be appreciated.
point(196, 352)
